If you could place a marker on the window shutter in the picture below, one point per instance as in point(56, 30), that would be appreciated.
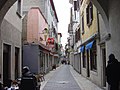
point(79, 34)
point(75, 5)
point(82, 24)
point(76, 36)
point(91, 12)
point(87, 14)
point(78, 4)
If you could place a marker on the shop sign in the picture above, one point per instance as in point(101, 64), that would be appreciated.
point(50, 41)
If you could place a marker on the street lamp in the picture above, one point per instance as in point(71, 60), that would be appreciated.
point(45, 33)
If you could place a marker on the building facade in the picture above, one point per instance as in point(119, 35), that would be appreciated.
point(59, 46)
point(40, 31)
point(10, 44)
point(87, 43)
point(74, 33)
point(89, 37)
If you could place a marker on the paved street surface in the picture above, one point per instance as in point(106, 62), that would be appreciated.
point(66, 78)
point(62, 80)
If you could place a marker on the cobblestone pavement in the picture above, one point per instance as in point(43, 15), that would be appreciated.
point(84, 83)
point(62, 79)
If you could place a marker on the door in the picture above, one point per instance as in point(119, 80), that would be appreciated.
point(88, 68)
point(104, 65)
point(16, 63)
point(80, 63)
point(6, 64)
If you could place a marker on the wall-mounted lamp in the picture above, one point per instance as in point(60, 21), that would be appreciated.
point(45, 33)
point(45, 30)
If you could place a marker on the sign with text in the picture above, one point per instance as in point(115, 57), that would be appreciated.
point(50, 41)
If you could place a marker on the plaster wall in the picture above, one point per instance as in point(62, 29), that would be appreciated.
point(4, 7)
point(35, 26)
point(92, 29)
point(28, 4)
point(102, 28)
point(13, 18)
point(114, 28)
point(11, 29)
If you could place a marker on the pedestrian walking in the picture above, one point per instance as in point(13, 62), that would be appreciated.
point(113, 72)
point(28, 80)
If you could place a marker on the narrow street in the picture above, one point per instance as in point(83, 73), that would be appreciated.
point(66, 78)
point(60, 44)
point(62, 80)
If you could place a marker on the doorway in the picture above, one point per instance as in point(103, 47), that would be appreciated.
point(6, 64)
point(16, 62)
point(88, 68)
point(79, 62)
point(104, 64)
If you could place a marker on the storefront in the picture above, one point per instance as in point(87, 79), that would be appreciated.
point(36, 57)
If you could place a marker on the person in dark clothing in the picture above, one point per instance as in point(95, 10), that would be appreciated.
point(28, 80)
point(113, 72)
point(54, 66)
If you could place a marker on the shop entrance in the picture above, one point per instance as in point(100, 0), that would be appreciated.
point(104, 65)
point(6, 64)
point(16, 63)
point(88, 66)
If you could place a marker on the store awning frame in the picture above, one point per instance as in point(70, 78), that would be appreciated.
point(89, 45)
point(82, 48)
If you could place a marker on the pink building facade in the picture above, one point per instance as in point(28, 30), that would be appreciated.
point(36, 23)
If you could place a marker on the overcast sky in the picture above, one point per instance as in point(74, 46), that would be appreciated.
point(63, 12)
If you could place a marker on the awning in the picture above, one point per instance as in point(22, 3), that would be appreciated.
point(82, 49)
point(89, 45)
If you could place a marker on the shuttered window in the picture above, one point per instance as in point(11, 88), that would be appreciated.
point(82, 24)
point(75, 5)
point(89, 14)
point(19, 8)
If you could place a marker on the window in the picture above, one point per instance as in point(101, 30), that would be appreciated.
point(47, 60)
point(76, 36)
point(79, 34)
point(41, 57)
point(89, 14)
point(81, 1)
point(93, 57)
point(19, 8)
point(78, 5)
point(75, 15)
point(75, 5)
point(82, 24)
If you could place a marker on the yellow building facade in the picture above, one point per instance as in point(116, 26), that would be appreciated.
point(89, 48)
point(92, 29)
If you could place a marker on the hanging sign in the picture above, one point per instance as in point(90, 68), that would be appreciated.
point(50, 41)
